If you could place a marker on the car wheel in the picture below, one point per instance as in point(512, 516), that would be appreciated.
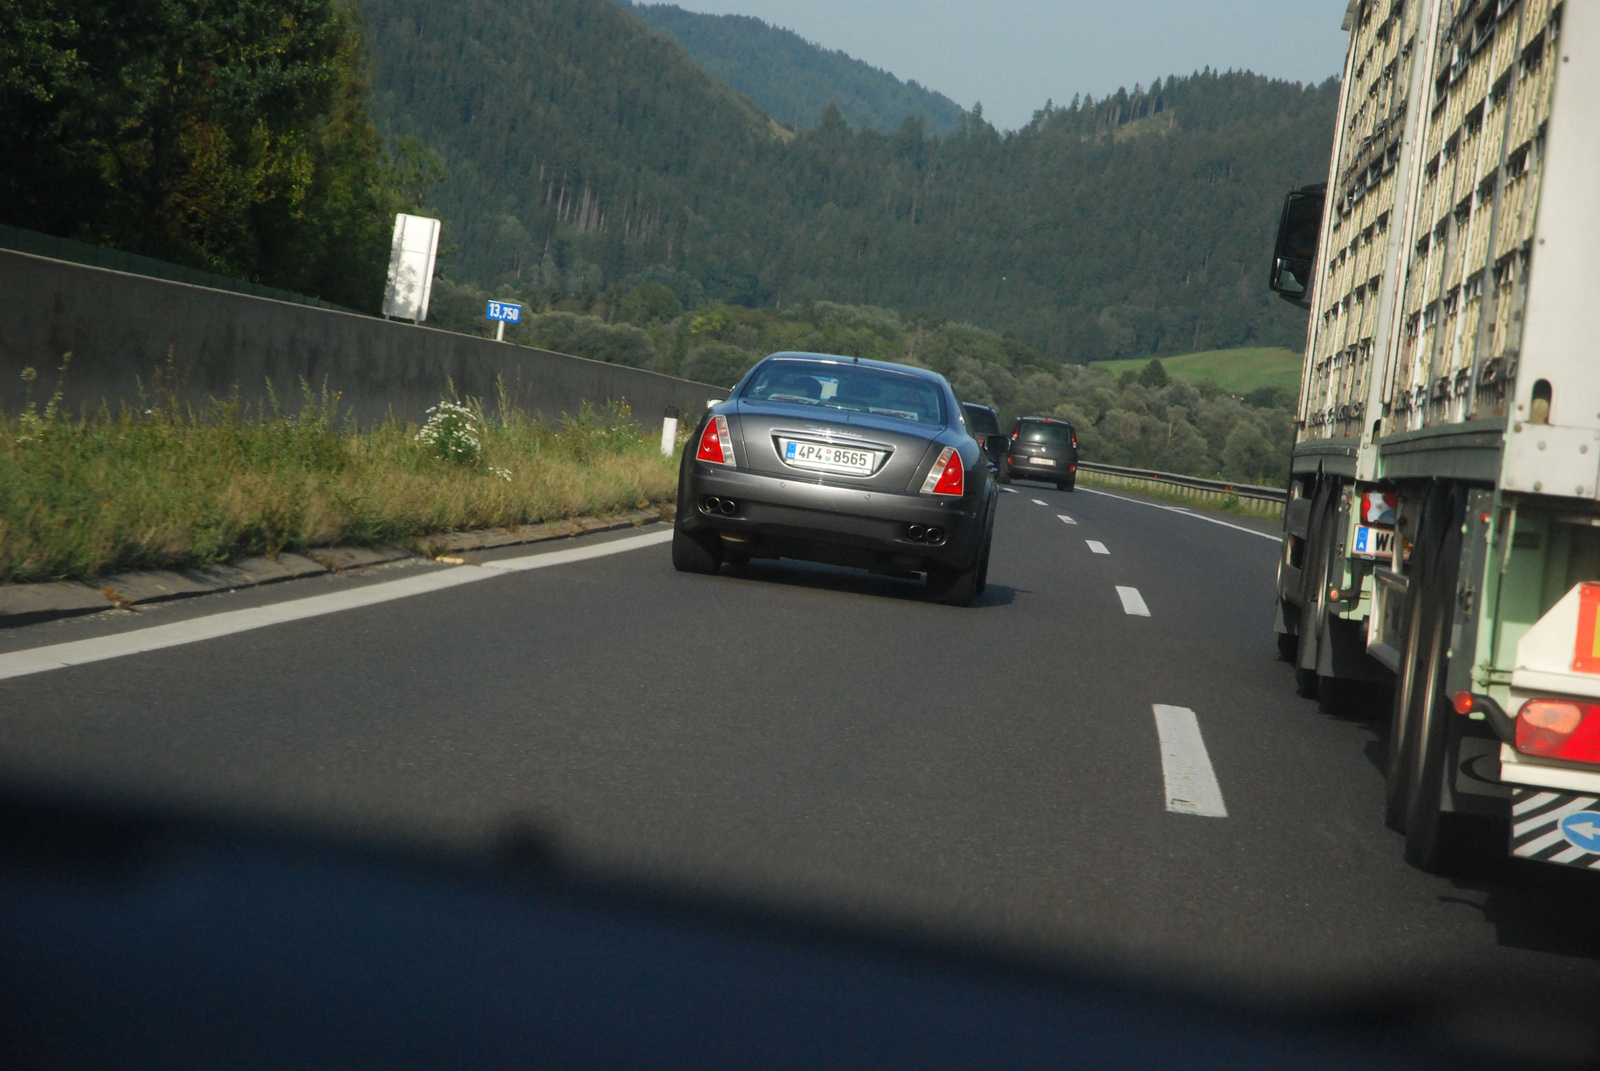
point(1005, 472)
point(983, 566)
point(693, 553)
point(1070, 485)
point(952, 587)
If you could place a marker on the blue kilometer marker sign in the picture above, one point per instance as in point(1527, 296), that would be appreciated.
point(505, 312)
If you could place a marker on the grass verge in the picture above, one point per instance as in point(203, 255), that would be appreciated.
point(1237, 371)
point(168, 486)
point(1244, 507)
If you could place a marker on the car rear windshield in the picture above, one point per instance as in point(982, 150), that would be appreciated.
point(981, 421)
point(1055, 434)
point(857, 388)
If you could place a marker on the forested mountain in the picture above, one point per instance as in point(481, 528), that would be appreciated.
point(792, 79)
point(588, 152)
point(229, 136)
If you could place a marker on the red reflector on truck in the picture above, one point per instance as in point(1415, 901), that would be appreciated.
point(1559, 729)
point(1586, 651)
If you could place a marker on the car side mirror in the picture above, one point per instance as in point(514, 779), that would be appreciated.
point(996, 444)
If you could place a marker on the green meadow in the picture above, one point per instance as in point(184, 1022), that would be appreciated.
point(1238, 371)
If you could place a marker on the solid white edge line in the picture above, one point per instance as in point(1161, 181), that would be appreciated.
point(1191, 783)
point(1063, 517)
point(1186, 513)
point(138, 641)
point(1097, 546)
point(1132, 602)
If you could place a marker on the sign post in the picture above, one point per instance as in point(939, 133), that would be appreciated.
point(411, 261)
point(669, 431)
point(504, 312)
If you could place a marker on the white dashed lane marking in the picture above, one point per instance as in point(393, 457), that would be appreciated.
point(1009, 490)
point(1063, 517)
point(1097, 546)
point(1191, 783)
point(1132, 602)
point(1040, 502)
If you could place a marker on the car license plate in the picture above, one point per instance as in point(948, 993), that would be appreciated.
point(1043, 460)
point(824, 457)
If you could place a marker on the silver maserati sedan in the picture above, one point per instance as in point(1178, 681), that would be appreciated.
point(839, 460)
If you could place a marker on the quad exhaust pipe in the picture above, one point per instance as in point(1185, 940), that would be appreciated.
point(714, 505)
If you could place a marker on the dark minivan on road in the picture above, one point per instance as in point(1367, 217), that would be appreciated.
point(1042, 449)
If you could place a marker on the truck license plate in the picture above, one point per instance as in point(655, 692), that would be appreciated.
point(1373, 542)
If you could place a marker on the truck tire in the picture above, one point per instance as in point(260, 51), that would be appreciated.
point(1313, 590)
point(1437, 841)
point(1417, 661)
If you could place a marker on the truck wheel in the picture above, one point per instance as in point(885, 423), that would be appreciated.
point(1437, 841)
point(692, 553)
point(1288, 646)
point(1397, 762)
point(1314, 590)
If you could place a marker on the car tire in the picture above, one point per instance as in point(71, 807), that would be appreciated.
point(953, 587)
point(1070, 485)
point(983, 566)
point(695, 553)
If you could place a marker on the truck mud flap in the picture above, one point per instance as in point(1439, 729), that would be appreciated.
point(1555, 827)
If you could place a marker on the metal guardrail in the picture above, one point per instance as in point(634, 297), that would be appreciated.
point(1226, 487)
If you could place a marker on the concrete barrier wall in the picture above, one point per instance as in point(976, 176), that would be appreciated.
point(121, 328)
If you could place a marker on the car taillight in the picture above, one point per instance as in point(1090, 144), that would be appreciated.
point(716, 445)
point(1559, 729)
point(947, 477)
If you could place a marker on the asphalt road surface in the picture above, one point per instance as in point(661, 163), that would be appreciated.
point(1101, 760)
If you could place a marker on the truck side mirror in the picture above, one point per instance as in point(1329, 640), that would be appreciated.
point(1295, 252)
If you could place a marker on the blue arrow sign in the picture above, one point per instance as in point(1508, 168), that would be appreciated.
point(506, 311)
point(1582, 830)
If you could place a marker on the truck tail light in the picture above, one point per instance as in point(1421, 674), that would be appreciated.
point(716, 445)
point(947, 477)
point(1559, 729)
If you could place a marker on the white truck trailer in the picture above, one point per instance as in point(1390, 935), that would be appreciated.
point(1443, 523)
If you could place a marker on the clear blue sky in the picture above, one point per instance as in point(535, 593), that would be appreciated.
point(1013, 55)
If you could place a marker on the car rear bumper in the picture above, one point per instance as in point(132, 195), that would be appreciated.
point(785, 517)
point(1027, 468)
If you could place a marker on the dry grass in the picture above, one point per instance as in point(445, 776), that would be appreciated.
point(166, 486)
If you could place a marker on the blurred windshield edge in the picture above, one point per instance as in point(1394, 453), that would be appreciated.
point(144, 937)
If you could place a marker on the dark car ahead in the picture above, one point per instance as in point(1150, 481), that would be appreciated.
point(1042, 449)
point(839, 460)
point(982, 423)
